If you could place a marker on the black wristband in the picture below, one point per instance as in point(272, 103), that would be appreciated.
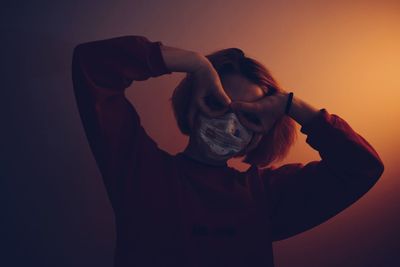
point(289, 103)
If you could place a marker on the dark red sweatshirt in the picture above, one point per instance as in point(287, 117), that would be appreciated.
point(171, 210)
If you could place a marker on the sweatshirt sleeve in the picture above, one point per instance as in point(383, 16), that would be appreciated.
point(101, 71)
point(303, 196)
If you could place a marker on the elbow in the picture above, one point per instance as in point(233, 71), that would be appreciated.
point(79, 56)
point(379, 169)
point(374, 171)
point(372, 165)
point(377, 166)
point(374, 174)
point(81, 50)
point(77, 52)
point(76, 55)
point(369, 173)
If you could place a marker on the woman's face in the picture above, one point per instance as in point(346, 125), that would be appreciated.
point(238, 88)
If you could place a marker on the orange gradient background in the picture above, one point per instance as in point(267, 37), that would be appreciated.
point(337, 55)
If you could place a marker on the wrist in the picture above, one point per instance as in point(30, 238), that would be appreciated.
point(201, 62)
point(180, 60)
point(301, 111)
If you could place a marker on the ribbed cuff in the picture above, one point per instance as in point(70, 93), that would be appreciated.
point(156, 61)
point(323, 118)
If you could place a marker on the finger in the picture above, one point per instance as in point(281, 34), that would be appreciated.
point(191, 115)
point(209, 111)
point(258, 128)
point(254, 141)
point(245, 106)
point(223, 97)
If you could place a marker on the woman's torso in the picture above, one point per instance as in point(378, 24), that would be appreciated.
point(190, 214)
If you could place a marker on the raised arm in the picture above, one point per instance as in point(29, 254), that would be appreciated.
point(101, 71)
point(303, 196)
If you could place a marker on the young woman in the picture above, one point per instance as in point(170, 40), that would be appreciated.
point(191, 209)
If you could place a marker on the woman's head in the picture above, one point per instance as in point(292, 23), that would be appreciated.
point(243, 79)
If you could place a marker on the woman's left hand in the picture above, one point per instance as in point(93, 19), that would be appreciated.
point(264, 111)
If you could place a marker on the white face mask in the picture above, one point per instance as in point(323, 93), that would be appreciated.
point(224, 136)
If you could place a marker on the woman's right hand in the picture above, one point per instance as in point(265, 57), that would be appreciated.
point(209, 96)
